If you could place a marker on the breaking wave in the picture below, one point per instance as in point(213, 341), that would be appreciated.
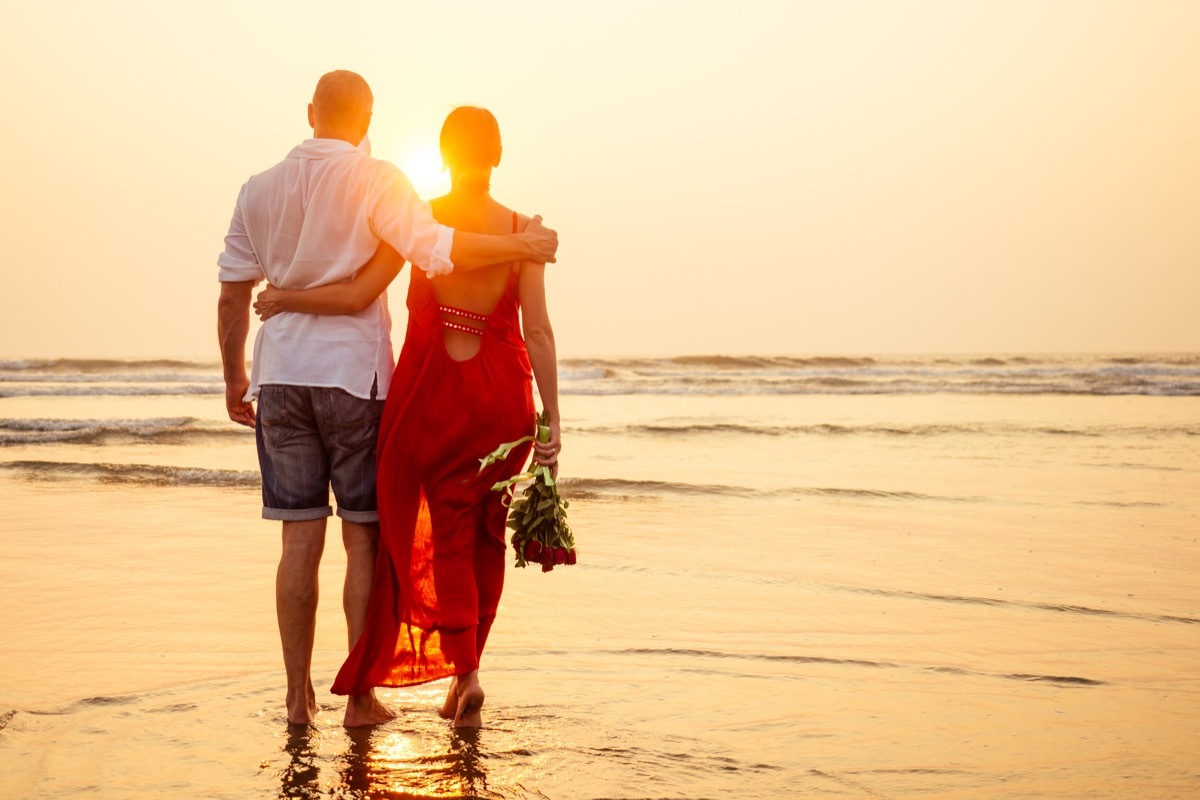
point(95, 431)
point(1156, 375)
point(134, 474)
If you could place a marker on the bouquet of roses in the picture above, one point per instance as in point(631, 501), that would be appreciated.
point(538, 517)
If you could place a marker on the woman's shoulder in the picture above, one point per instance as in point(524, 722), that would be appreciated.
point(439, 206)
point(519, 220)
point(494, 217)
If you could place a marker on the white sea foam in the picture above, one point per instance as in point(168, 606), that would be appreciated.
point(143, 474)
point(1153, 375)
point(173, 429)
point(107, 390)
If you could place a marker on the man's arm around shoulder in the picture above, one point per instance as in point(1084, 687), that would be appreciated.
point(535, 243)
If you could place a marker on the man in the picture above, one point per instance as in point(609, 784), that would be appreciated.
point(314, 219)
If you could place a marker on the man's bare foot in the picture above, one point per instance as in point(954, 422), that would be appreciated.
point(450, 707)
point(470, 703)
point(302, 708)
point(365, 709)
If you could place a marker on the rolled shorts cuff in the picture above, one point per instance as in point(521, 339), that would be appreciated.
point(296, 514)
point(361, 517)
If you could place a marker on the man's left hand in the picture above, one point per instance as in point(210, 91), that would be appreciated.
point(240, 411)
point(542, 240)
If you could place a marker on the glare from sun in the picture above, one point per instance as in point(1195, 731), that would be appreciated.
point(423, 166)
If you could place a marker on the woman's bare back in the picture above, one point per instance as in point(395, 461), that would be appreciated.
point(477, 291)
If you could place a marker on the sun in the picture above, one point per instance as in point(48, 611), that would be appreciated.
point(423, 166)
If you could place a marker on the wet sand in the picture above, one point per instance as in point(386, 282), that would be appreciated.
point(996, 614)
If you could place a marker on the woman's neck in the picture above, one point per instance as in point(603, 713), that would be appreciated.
point(470, 183)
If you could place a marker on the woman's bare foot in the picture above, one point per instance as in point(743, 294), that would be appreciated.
point(302, 707)
point(365, 709)
point(450, 706)
point(470, 702)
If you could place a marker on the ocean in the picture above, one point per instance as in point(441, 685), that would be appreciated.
point(845, 577)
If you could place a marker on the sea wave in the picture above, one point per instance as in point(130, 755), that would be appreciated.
point(703, 428)
point(573, 488)
point(739, 429)
point(129, 390)
point(100, 365)
point(770, 362)
point(716, 375)
point(185, 430)
point(173, 430)
point(834, 385)
point(680, 653)
point(134, 474)
point(1058, 608)
point(1159, 375)
point(604, 488)
point(36, 376)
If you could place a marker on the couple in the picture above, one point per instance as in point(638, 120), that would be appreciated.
point(329, 227)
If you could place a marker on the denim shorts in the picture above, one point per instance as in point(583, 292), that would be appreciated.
point(310, 438)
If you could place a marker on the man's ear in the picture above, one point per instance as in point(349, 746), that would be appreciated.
point(312, 120)
point(499, 153)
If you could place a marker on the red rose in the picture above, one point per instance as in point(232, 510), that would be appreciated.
point(533, 549)
point(546, 567)
point(571, 556)
point(560, 555)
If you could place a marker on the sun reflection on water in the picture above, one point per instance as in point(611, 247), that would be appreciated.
point(384, 763)
point(394, 764)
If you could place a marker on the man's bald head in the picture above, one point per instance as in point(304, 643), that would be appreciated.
point(341, 106)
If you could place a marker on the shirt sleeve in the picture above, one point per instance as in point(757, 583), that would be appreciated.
point(238, 261)
point(405, 221)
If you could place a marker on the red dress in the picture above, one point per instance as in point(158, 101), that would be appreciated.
point(440, 567)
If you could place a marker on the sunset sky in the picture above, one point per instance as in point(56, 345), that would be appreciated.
point(754, 177)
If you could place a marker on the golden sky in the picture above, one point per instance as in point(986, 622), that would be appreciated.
point(752, 177)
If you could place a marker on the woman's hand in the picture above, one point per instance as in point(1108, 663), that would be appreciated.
point(269, 302)
point(547, 453)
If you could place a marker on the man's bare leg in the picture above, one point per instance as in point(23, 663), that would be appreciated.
point(361, 541)
point(296, 594)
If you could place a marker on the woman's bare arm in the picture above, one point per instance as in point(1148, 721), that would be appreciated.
point(348, 297)
point(539, 341)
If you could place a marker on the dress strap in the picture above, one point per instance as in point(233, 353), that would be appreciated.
point(462, 320)
point(464, 328)
point(462, 313)
point(514, 267)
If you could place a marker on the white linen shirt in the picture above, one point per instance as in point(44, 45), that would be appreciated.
point(315, 218)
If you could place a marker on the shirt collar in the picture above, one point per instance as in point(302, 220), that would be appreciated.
point(327, 148)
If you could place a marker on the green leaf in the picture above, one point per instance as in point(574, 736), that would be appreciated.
point(501, 452)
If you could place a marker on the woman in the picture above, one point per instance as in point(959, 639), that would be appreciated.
point(462, 387)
